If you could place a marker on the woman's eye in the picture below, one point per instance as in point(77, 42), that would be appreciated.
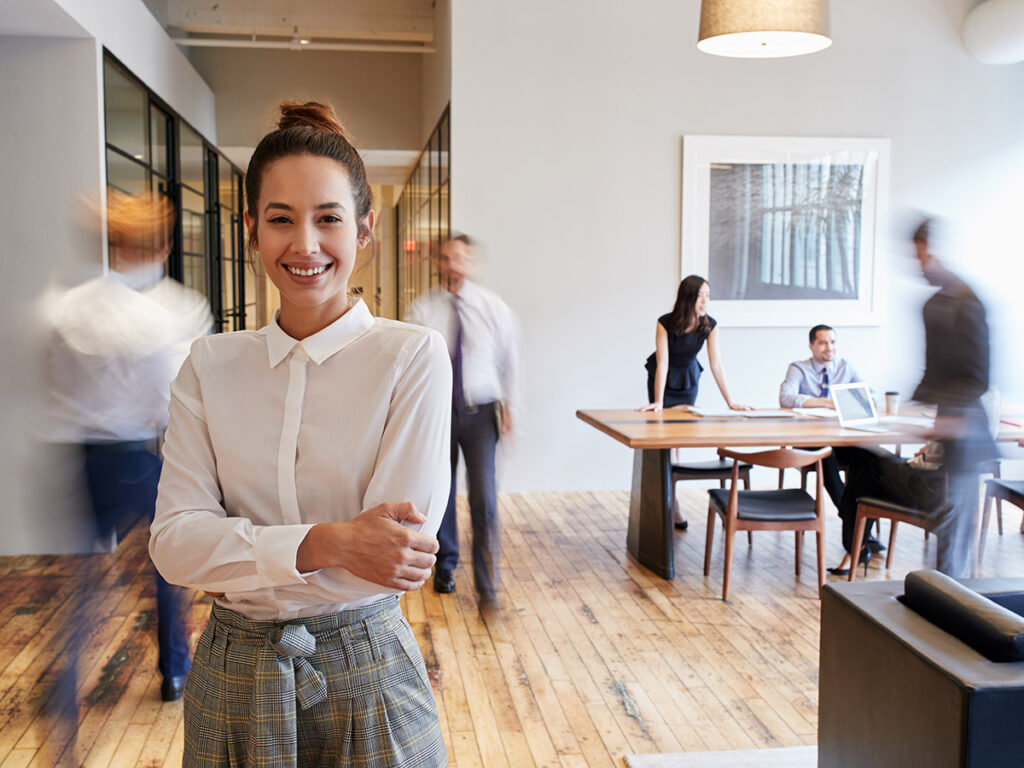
point(331, 219)
point(279, 220)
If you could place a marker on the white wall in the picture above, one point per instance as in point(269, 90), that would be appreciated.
point(50, 150)
point(567, 126)
point(437, 70)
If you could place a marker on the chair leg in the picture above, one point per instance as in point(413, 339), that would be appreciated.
point(997, 474)
point(729, 536)
point(820, 537)
point(799, 549)
point(893, 525)
point(782, 473)
point(858, 542)
point(750, 538)
point(746, 480)
point(708, 541)
point(984, 526)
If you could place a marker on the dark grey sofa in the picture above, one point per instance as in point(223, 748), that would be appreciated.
point(897, 690)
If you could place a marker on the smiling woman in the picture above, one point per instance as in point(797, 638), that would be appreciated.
point(306, 473)
point(307, 232)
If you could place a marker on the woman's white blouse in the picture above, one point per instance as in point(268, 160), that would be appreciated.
point(269, 435)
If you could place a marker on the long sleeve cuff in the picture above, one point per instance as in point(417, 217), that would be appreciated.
point(275, 550)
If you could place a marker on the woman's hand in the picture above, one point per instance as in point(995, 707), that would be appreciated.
point(655, 406)
point(374, 546)
point(741, 407)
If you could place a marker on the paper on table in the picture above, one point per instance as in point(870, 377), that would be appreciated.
point(767, 413)
point(712, 413)
point(821, 413)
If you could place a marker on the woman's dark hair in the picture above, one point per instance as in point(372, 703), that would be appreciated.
point(307, 129)
point(684, 313)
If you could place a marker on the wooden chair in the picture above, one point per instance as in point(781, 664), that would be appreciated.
point(720, 470)
point(999, 491)
point(877, 509)
point(789, 509)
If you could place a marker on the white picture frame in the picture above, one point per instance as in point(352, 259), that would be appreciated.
point(787, 230)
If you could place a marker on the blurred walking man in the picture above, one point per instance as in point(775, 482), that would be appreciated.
point(482, 337)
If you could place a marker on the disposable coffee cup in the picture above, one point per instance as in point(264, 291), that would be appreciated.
point(892, 403)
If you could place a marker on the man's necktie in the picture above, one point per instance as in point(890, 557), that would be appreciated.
point(458, 396)
point(824, 384)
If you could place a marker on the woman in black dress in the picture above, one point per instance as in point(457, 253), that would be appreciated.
point(673, 372)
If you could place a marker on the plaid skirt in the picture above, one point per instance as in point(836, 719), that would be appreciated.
point(345, 689)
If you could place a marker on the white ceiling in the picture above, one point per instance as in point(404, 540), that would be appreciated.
point(320, 21)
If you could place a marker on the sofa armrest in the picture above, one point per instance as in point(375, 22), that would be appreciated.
point(990, 629)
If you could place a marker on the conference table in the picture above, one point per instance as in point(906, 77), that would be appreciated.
point(652, 436)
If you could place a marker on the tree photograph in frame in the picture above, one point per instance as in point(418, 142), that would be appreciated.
point(785, 228)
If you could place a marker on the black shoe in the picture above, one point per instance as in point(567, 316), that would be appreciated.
point(444, 581)
point(865, 558)
point(172, 688)
point(874, 546)
point(682, 526)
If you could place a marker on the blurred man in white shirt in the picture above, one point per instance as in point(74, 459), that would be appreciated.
point(482, 336)
point(117, 343)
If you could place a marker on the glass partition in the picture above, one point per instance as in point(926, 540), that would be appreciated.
point(151, 149)
point(423, 218)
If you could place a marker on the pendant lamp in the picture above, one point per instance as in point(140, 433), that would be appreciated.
point(762, 29)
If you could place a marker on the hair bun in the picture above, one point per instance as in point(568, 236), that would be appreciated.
point(312, 114)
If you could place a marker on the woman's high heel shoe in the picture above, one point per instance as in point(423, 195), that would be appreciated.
point(865, 558)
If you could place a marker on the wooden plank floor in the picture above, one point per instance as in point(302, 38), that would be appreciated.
point(589, 657)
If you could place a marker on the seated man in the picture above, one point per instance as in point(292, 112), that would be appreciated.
point(917, 483)
point(807, 385)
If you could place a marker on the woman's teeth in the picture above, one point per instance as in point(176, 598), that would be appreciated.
point(306, 272)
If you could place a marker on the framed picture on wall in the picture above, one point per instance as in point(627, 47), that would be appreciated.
point(786, 230)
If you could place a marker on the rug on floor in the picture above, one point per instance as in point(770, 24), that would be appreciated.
point(787, 757)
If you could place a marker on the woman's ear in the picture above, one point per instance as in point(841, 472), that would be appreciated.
point(366, 229)
point(250, 226)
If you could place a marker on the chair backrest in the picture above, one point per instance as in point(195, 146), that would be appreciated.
point(780, 458)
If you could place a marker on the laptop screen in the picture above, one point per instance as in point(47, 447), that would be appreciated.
point(854, 403)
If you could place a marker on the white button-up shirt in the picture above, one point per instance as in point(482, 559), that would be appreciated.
point(490, 341)
point(117, 343)
point(269, 435)
point(804, 379)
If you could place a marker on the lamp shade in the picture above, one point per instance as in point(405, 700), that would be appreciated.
point(761, 29)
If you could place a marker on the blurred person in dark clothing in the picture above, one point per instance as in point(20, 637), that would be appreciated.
point(117, 342)
point(956, 376)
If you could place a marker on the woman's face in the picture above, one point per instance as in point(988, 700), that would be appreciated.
point(703, 296)
point(307, 233)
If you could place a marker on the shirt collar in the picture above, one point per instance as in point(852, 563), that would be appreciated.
point(821, 367)
point(325, 342)
point(467, 292)
point(140, 278)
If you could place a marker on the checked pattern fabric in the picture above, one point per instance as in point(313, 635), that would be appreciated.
point(347, 689)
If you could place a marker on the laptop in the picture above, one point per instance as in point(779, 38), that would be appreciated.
point(856, 407)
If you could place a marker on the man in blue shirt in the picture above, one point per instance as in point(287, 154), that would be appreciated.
point(808, 385)
point(807, 381)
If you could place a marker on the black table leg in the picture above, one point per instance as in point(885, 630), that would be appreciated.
point(649, 536)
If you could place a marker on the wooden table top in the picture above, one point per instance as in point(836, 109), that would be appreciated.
point(678, 428)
